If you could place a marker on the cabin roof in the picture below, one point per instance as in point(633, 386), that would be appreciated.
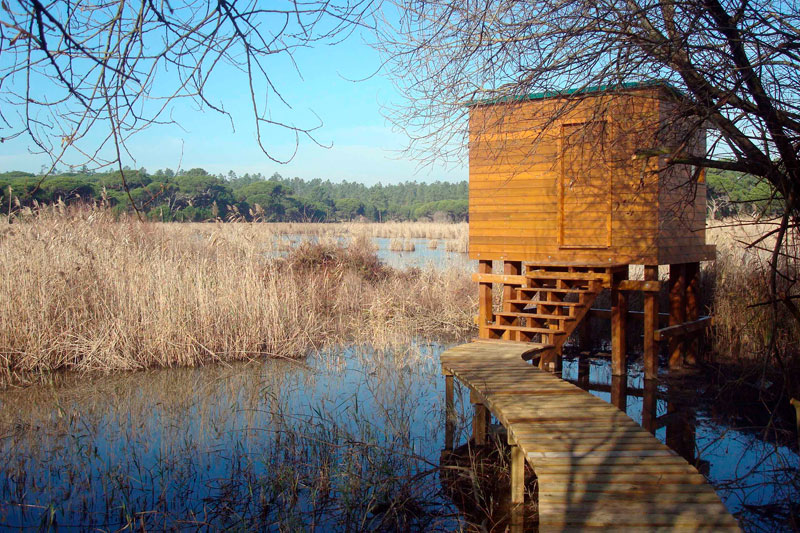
point(579, 91)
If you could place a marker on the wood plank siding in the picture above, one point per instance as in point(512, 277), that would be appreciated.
point(556, 180)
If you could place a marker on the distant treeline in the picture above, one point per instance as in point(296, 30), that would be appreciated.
point(733, 193)
point(196, 195)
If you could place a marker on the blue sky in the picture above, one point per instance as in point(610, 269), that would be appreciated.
point(363, 145)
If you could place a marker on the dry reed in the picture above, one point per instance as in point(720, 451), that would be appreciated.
point(738, 286)
point(80, 291)
point(391, 230)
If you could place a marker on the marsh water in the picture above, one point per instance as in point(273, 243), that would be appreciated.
point(346, 440)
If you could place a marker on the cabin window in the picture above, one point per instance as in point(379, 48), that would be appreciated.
point(584, 187)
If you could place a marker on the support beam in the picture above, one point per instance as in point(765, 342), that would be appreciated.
point(685, 329)
point(517, 475)
point(517, 488)
point(583, 373)
point(511, 268)
point(480, 419)
point(692, 310)
point(584, 333)
point(677, 312)
point(488, 277)
point(650, 405)
point(449, 413)
point(650, 325)
point(619, 392)
point(619, 324)
point(485, 312)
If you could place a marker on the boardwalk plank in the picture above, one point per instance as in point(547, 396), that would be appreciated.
point(596, 468)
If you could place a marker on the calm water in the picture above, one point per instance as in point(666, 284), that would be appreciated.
point(347, 441)
point(422, 256)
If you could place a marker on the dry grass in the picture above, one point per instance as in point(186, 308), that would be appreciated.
point(739, 280)
point(79, 291)
point(390, 230)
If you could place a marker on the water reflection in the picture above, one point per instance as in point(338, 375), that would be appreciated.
point(756, 474)
point(476, 479)
point(349, 442)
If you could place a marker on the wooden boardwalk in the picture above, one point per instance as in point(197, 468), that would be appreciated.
point(596, 468)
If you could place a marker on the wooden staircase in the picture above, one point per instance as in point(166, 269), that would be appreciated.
point(545, 304)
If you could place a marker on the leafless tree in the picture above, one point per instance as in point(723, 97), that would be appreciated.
point(735, 65)
point(75, 71)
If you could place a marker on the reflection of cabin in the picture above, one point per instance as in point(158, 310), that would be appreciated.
point(568, 190)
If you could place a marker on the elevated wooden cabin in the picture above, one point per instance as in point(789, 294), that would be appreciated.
point(574, 179)
point(569, 189)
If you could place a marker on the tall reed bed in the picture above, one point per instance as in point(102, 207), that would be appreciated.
point(80, 291)
point(738, 287)
point(390, 230)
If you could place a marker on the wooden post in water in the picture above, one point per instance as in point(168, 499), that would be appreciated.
point(619, 322)
point(650, 326)
point(583, 373)
point(680, 426)
point(485, 313)
point(449, 413)
point(480, 419)
point(650, 405)
point(619, 392)
point(584, 334)
point(517, 486)
point(677, 312)
point(692, 342)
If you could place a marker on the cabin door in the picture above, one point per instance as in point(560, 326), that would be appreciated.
point(584, 187)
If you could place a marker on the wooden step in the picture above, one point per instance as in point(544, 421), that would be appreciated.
point(526, 329)
point(553, 290)
point(534, 315)
point(542, 302)
point(580, 276)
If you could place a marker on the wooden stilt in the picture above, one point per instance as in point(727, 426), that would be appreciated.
point(584, 334)
point(650, 325)
point(619, 392)
point(650, 405)
point(511, 268)
point(619, 320)
point(485, 313)
point(517, 488)
point(558, 357)
point(517, 475)
point(480, 420)
point(677, 312)
point(692, 310)
point(583, 373)
point(450, 413)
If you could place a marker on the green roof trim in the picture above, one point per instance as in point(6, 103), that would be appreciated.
point(582, 90)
